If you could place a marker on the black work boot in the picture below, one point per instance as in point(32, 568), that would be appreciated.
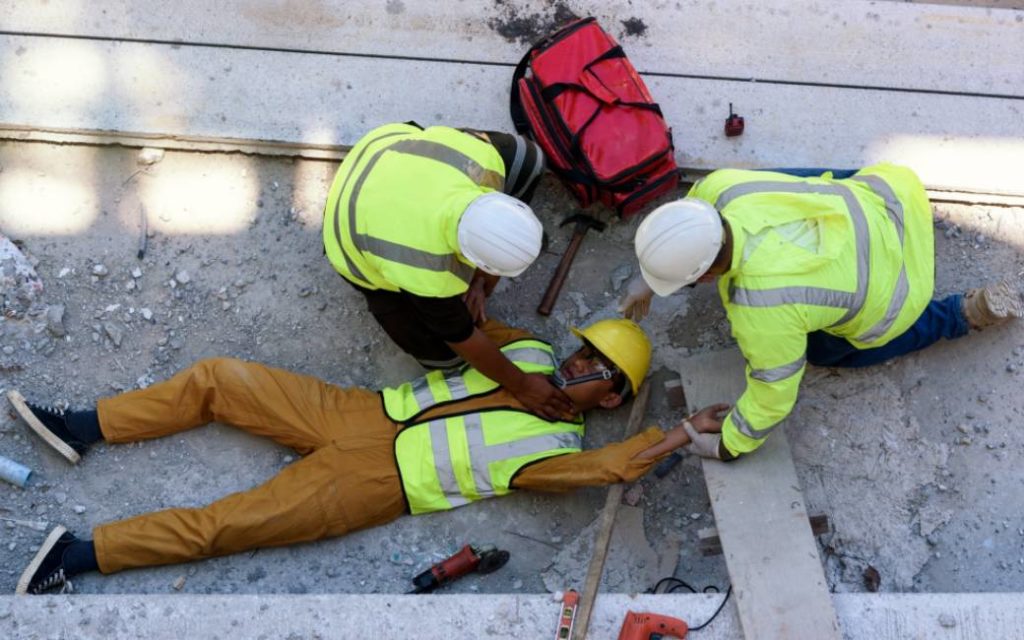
point(51, 425)
point(46, 571)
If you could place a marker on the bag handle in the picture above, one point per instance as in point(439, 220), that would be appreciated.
point(519, 119)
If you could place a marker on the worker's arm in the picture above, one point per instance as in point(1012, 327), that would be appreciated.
point(534, 390)
point(618, 462)
point(480, 288)
point(776, 355)
point(706, 421)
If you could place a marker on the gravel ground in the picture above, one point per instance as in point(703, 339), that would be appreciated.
point(915, 462)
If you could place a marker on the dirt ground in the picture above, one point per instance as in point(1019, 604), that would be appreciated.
point(917, 463)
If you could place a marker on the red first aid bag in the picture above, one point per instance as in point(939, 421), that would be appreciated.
point(581, 99)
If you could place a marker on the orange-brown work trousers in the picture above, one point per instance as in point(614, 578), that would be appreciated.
point(346, 479)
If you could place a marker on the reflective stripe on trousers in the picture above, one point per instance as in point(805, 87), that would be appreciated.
point(481, 455)
point(394, 252)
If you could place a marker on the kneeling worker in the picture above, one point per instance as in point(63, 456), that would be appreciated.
point(436, 443)
point(423, 222)
point(820, 270)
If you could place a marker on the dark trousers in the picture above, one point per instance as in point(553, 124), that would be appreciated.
point(941, 319)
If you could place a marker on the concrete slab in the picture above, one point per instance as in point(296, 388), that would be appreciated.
point(170, 617)
point(228, 72)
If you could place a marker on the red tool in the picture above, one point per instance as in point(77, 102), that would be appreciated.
point(570, 601)
point(467, 560)
point(733, 124)
point(651, 626)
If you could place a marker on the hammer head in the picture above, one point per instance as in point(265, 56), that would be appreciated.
point(583, 222)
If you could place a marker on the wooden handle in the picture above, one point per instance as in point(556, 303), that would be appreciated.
point(547, 303)
point(607, 521)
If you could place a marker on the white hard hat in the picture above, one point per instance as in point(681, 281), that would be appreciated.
point(499, 234)
point(678, 243)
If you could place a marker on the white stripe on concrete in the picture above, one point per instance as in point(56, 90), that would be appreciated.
point(855, 41)
point(497, 617)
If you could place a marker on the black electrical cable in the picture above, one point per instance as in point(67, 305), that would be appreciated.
point(714, 615)
point(682, 584)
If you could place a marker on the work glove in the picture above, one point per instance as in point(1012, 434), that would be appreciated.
point(636, 302)
point(705, 445)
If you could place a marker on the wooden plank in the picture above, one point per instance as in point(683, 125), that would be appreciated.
point(928, 47)
point(607, 522)
point(759, 510)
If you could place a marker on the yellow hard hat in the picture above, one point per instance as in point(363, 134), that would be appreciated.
point(624, 343)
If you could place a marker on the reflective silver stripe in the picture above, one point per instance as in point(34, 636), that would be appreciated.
point(810, 295)
point(517, 165)
point(899, 295)
point(353, 269)
point(746, 429)
point(481, 455)
point(779, 373)
point(531, 355)
point(410, 256)
point(454, 159)
point(443, 463)
point(442, 364)
point(422, 394)
point(790, 295)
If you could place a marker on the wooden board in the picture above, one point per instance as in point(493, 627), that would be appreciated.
point(773, 561)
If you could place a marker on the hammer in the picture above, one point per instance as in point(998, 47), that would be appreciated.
point(583, 224)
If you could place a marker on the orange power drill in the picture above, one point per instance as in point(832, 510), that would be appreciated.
point(651, 626)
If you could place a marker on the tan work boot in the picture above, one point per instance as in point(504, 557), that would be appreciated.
point(992, 305)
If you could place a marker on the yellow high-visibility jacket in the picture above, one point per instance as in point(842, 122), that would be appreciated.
point(392, 214)
point(451, 461)
point(853, 257)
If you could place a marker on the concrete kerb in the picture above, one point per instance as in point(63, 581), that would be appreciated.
point(110, 617)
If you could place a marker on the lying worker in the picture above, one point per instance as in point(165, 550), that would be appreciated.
point(834, 272)
point(437, 443)
point(423, 222)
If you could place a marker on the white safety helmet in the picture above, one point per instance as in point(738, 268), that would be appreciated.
point(678, 243)
point(500, 234)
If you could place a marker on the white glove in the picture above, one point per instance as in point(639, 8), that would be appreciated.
point(704, 445)
point(636, 302)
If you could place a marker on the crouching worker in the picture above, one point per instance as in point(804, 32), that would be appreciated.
point(439, 442)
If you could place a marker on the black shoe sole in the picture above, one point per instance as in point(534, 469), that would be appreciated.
point(47, 546)
point(18, 402)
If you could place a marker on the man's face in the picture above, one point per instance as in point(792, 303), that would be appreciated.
point(585, 361)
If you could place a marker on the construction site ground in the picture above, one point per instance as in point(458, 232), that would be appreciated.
point(918, 463)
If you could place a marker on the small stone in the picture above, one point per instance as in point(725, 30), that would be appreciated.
point(517, 584)
point(179, 584)
point(149, 155)
point(130, 285)
point(963, 428)
point(182, 277)
point(633, 495)
point(556, 539)
point(147, 313)
point(947, 621)
point(99, 270)
point(12, 546)
point(60, 497)
point(287, 459)
point(305, 292)
point(79, 509)
point(274, 186)
point(136, 273)
point(695, 516)
point(225, 305)
point(114, 332)
point(55, 320)
point(63, 272)
point(1011, 367)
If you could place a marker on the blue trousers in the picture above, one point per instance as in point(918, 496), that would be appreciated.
point(941, 319)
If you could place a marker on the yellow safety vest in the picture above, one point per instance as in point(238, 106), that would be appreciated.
point(392, 214)
point(853, 257)
point(451, 461)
